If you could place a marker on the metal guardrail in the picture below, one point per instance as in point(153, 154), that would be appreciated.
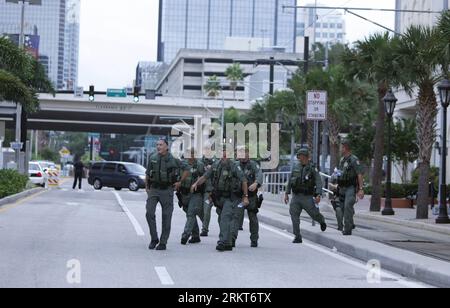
point(276, 182)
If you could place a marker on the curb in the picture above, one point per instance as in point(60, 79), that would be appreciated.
point(427, 270)
point(22, 195)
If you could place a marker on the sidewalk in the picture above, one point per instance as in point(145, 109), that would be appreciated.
point(415, 249)
point(404, 217)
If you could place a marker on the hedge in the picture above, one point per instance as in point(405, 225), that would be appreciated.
point(11, 182)
point(401, 191)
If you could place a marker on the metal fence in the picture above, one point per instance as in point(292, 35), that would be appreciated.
point(276, 182)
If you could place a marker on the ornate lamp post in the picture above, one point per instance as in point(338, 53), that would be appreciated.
point(389, 105)
point(444, 93)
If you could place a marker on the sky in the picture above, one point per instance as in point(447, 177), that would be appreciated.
point(115, 35)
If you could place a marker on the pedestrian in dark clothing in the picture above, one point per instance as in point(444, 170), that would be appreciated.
point(78, 173)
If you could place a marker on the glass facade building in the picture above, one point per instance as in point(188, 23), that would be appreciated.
point(56, 23)
point(206, 24)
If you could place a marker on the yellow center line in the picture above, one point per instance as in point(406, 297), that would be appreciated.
point(21, 201)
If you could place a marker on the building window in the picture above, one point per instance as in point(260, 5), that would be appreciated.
point(325, 25)
point(339, 26)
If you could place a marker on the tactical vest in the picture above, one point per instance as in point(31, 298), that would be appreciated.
point(303, 180)
point(250, 173)
point(195, 171)
point(224, 180)
point(349, 175)
point(164, 171)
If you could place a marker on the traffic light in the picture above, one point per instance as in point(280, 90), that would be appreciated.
point(136, 94)
point(91, 93)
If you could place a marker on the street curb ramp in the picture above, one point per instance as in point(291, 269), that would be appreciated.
point(399, 261)
point(19, 196)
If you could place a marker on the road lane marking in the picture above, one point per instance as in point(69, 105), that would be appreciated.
point(164, 276)
point(133, 220)
point(335, 255)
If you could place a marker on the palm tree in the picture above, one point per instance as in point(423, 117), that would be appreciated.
point(212, 86)
point(373, 60)
point(421, 54)
point(235, 75)
point(444, 30)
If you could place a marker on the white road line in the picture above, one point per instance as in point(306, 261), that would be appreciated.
point(164, 276)
point(384, 274)
point(133, 219)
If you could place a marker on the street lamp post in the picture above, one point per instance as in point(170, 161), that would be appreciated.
point(389, 104)
point(444, 93)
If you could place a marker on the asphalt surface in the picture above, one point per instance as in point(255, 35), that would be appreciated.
point(70, 239)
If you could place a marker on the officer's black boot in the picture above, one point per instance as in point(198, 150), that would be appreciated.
point(161, 247)
point(153, 245)
point(298, 240)
point(204, 234)
point(220, 247)
point(184, 240)
point(254, 244)
point(323, 227)
point(194, 240)
point(347, 233)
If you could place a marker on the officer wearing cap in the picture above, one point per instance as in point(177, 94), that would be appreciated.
point(350, 184)
point(229, 190)
point(162, 179)
point(254, 176)
point(306, 185)
point(192, 201)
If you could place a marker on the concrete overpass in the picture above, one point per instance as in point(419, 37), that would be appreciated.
point(65, 112)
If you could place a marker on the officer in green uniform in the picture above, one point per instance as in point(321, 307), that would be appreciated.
point(350, 184)
point(229, 190)
point(306, 184)
point(162, 178)
point(192, 202)
point(207, 205)
point(254, 176)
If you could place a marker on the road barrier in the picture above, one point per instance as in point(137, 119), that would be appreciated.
point(53, 177)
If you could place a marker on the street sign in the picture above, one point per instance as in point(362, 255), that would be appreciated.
point(316, 105)
point(64, 152)
point(79, 92)
point(150, 94)
point(94, 135)
point(116, 93)
point(16, 145)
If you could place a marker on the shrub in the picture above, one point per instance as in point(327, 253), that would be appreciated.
point(11, 182)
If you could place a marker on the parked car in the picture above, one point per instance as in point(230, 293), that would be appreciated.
point(117, 175)
point(37, 174)
point(47, 165)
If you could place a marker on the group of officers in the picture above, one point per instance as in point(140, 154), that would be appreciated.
point(232, 187)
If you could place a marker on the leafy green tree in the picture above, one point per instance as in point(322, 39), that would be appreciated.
point(420, 55)
point(21, 78)
point(212, 86)
point(234, 74)
point(404, 144)
point(374, 60)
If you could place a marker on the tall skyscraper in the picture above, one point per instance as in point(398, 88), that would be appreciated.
point(321, 25)
point(206, 24)
point(405, 19)
point(55, 26)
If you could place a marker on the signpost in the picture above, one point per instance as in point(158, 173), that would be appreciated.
point(316, 110)
point(116, 93)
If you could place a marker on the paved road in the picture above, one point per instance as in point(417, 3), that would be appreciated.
point(103, 237)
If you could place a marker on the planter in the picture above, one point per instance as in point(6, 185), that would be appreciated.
point(398, 203)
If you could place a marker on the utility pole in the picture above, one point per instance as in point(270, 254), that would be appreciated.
point(272, 75)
